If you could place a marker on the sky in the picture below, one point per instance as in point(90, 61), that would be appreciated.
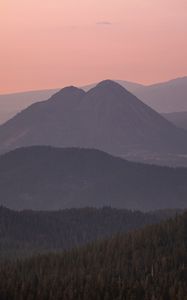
point(54, 43)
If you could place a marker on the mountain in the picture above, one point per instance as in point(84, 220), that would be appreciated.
point(27, 232)
point(107, 117)
point(11, 104)
point(177, 118)
point(147, 264)
point(165, 97)
point(45, 178)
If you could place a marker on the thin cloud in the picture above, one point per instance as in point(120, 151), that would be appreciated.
point(104, 23)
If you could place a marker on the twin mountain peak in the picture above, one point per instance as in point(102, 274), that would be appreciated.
point(107, 86)
point(107, 117)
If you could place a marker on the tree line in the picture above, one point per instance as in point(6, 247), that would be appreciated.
point(147, 264)
point(26, 232)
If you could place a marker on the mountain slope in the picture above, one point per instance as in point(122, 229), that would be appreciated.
point(44, 122)
point(46, 178)
point(147, 264)
point(107, 117)
point(168, 96)
point(179, 119)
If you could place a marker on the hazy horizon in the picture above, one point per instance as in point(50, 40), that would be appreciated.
point(49, 45)
point(90, 83)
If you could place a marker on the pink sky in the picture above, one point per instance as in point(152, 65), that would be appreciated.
point(53, 43)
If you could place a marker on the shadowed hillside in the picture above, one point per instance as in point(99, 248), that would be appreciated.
point(48, 178)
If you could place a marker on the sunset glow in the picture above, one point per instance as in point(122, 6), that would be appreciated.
point(53, 43)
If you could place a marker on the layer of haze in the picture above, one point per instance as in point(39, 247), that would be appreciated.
point(53, 43)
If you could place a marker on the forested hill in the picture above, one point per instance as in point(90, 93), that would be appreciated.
point(46, 178)
point(27, 232)
point(144, 265)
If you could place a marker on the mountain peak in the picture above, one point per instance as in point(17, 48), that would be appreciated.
point(70, 90)
point(112, 87)
point(109, 83)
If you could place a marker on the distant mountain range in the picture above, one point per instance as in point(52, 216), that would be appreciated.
point(177, 118)
point(107, 117)
point(164, 97)
point(45, 178)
